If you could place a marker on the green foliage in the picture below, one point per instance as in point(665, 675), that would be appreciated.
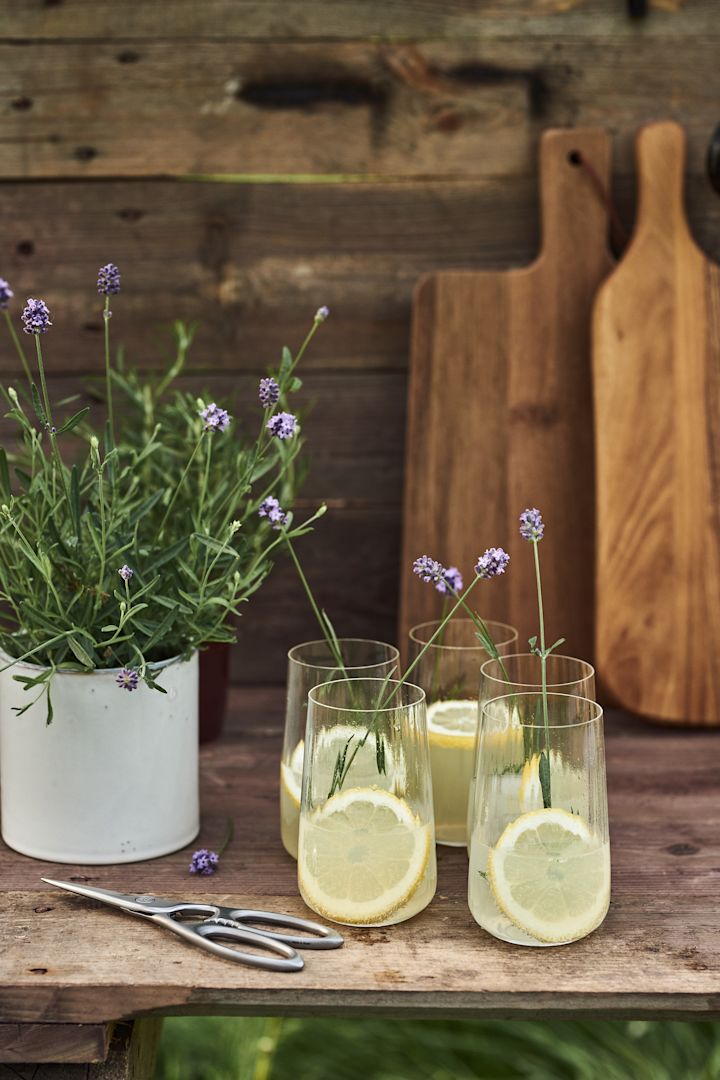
point(252, 1049)
point(175, 502)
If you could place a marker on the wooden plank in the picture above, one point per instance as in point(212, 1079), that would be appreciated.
point(658, 953)
point(129, 1055)
point(53, 1042)
point(500, 412)
point(468, 108)
point(252, 262)
point(656, 345)
point(342, 19)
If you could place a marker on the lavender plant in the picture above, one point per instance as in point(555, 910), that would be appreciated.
point(532, 529)
point(121, 548)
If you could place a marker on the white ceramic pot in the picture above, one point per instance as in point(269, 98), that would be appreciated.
point(113, 778)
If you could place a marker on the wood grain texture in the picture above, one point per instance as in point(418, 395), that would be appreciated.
point(657, 396)
point(69, 1043)
point(340, 19)
point(657, 955)
point(469, 108)
point(500, 412)
point(129, 1054)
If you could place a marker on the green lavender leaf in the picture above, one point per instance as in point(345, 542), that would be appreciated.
point(4, 474)
point(37, 405)
point(73, 421)
point(544, 774)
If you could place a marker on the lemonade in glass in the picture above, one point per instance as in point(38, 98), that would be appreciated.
point(449, 673)
point(539, 846)
point(308, 665)
point(366, 853)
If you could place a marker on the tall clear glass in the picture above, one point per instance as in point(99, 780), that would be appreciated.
point(539, 844)
point(449, 673)
point(521, 673)
point(309, 664)
point(367, 843)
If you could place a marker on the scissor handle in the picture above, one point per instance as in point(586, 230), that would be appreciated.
point(208, 935)
point(323, 937)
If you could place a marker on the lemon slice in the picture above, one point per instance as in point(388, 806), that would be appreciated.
point(363, 856)
point(550, 875)
point(452, 722)
point(363, 771)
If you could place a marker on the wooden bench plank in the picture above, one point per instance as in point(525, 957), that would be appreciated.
point(432, 109)
point(129, 1052)
point(658, 953)
point(53, 1042)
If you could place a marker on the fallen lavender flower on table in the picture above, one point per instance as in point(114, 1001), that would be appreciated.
point(204, 862)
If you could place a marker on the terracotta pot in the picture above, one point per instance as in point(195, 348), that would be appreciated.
point(214, 682)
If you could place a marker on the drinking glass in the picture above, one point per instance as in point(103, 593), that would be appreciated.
point(367, 842)
point(309, 664)
point(539, 845)
point(522, 673)
point(449, 673)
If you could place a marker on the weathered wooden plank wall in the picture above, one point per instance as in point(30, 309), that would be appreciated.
point(246, 161)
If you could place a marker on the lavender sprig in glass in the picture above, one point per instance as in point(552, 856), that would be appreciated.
point(532, 529)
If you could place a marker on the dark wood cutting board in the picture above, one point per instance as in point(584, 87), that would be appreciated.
point(656, 337)
point(500, 411)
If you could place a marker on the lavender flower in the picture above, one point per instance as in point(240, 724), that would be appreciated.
point(452, 581)
point(127, 679)
point(271, 509)
point(108, 283)
point(125, 572)
point(36, 317)
point(204, 862)
point(322, 313)
point(216, 419)
point(6, 294)
point(430, 570)
point(493, 562)
point(268, 392)
point(532, 525)
point(283, 425)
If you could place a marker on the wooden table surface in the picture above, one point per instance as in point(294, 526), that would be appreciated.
point(65, 960)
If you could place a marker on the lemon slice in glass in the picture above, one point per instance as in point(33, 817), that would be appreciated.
point(550, 875)
point(363, 856)
point(452, 722)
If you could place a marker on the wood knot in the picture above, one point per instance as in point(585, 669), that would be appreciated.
point(42, 908)
point(38, 971)
point(682, 849)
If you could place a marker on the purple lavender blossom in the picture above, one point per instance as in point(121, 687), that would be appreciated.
point(108, 283)
point(204, 862)
point(6, 294)
point(271, 509)
point(126, 572)
point(268, 392)
point(493, 562)
point(215, 418)
point(532, 525)
point(322, 313)
point(452, 581)
point(430, 570)
point(127, 679)
point(36, 317)
point(283, 425)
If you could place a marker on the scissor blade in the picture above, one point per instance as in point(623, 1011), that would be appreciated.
point(142, 904)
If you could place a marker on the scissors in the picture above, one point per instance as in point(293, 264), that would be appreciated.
point(208, 925)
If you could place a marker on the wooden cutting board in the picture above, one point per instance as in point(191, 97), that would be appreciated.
point(500, 411)
point(656, 344)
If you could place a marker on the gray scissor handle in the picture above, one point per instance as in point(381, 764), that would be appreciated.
point(208, 935)
point(322, 936)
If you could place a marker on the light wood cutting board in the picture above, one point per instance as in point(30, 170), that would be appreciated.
point(500, 412)
point(656, 344)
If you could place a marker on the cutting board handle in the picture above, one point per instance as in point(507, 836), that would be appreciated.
point(660, 158)
point(575, 222)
